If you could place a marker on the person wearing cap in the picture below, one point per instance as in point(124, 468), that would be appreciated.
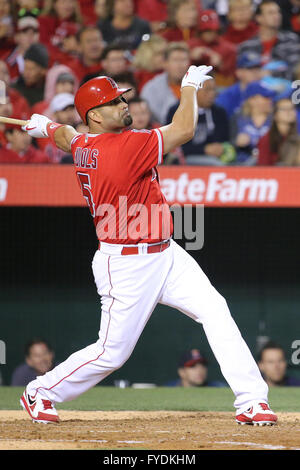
point(193, 371)
point(271, 42)
point(59, 79)
point(248, 70)
point(63, 111)
point(210, 48)
point(27, 33)
point(241, 26)
point(253, 121)
point(31, 83)
point(64, 45)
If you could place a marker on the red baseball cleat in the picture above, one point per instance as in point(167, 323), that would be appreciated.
point(39, 409)
point(258, 414)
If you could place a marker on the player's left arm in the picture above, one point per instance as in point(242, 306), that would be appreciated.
point(61, 135)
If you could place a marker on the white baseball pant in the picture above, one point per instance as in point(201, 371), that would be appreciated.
point(130, 287)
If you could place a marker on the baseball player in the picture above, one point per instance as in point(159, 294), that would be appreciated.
point(137, 263)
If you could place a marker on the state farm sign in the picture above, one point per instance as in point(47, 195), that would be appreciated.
point(56, 185)
point(218, 187)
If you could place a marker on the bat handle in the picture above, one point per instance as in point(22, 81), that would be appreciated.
point(18, 122)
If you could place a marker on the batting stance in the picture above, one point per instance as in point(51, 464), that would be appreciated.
point(138, 264)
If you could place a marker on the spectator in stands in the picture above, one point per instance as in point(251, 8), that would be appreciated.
point(88, 11)
point(193, 371)
point(31, 83)
point(289, 152)
point(64, 45)
point(6, 110)
point(284, 126)
point(210, 144)
point(141, 114)
point(182, 20)
point(154, 11)
point(55, 13)
point(290, 10)
point(114, 60)
point(63, 111)
point(241, 26)
point(271, 42)
point(211, 49)
point(252, 122)
point(149, 59)
point(126, 80)
point(39, 359)
point(91, 47)
point(273, 366)
point(248, 71)
point(100, 8)
point(24, 6)
point(18, 148)
point(20, 107)
point(6, 20)
point(163, 91)
point(59, 79)
point(27, 34)
point(122, 25)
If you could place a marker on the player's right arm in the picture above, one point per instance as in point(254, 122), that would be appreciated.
point(184, 122)
point(40, 126)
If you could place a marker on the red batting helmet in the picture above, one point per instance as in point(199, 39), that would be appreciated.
point(94, 93)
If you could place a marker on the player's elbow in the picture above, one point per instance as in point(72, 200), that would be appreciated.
point(187, 135)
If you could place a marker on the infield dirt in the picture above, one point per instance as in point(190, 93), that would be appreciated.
point(153, 430)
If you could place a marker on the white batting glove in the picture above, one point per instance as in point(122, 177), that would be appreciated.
point(37, 126)
point(196, 76)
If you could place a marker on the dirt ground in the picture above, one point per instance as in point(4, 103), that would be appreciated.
point(146, 430)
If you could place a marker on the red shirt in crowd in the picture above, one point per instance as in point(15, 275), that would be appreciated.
point(151, 10)
point(178, 34)
point(225, 49)
point(32, 155)
point(236, 36)
point(21, 108)
point(81, 70)
point(265, 156)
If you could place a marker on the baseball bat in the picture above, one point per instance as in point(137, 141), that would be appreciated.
point(18, 122)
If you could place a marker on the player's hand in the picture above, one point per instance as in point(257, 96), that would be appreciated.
point(37, 126)
point(196, 76)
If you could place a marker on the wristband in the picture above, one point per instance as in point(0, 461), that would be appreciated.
point(51, 128)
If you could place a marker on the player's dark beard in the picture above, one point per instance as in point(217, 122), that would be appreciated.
point(128, 120)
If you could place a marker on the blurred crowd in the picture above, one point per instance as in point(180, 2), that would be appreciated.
point(248, 114)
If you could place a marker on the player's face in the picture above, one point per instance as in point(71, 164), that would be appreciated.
point(273, 365)
point(113, 115)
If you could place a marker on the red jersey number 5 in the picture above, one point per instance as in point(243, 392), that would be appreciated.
point(84, 180)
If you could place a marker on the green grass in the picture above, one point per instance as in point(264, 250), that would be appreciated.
point(160, 398)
